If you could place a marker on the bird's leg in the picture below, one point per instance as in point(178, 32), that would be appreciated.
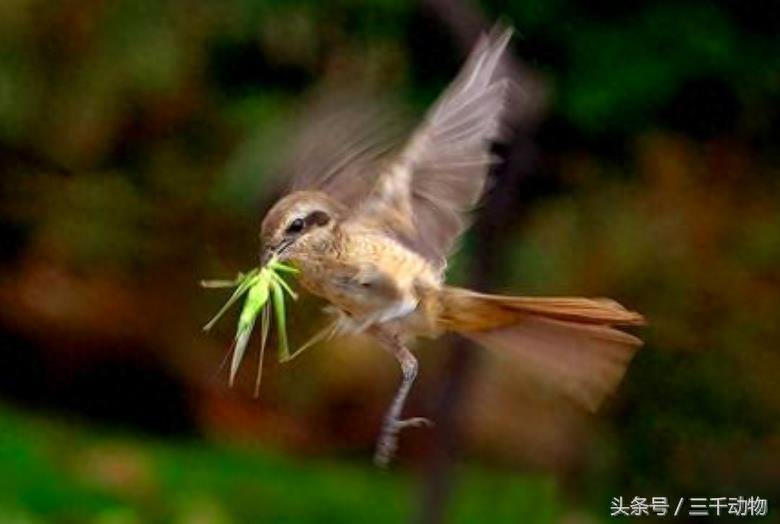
point(393, 424)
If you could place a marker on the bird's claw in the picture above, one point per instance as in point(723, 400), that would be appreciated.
point(414, 422)
point(388, 440)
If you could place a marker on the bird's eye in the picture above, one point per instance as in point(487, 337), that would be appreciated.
point(296, 226)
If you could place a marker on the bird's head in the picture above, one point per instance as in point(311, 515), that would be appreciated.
point(299, 222)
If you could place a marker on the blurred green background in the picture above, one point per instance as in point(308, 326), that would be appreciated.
point(139, 141)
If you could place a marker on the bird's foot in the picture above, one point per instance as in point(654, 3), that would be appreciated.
point(388, 440)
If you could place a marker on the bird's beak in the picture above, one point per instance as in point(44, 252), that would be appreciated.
point(271, 250)
point(266, 254)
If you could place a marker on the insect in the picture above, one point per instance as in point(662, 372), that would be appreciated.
point(370, 231)
point(259, 285)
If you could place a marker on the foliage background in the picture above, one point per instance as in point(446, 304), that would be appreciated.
point(138, 146)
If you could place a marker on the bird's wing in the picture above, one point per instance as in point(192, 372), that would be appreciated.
point(424, 195)
point(340, 146)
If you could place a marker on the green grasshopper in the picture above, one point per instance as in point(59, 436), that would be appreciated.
point(259, 285)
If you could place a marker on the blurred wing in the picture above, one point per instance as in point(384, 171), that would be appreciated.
point(340, 145)
point(424, 196)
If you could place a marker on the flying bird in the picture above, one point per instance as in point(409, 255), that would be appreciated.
point(370, 229)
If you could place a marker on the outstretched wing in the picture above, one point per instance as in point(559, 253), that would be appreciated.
point(423, 197)
point(341, 144)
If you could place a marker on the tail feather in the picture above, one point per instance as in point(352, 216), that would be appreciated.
point(575, 309)
point(568, 343)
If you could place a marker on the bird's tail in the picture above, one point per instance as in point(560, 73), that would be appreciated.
point(570, 343)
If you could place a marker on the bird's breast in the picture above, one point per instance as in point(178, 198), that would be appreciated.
point(366, 273)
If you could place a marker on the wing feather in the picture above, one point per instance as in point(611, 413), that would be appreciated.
point(340, 146)
point(425, 195)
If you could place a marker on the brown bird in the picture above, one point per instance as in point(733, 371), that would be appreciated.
point(371, 235)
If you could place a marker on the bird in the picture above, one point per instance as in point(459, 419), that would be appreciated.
point(370, 229)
